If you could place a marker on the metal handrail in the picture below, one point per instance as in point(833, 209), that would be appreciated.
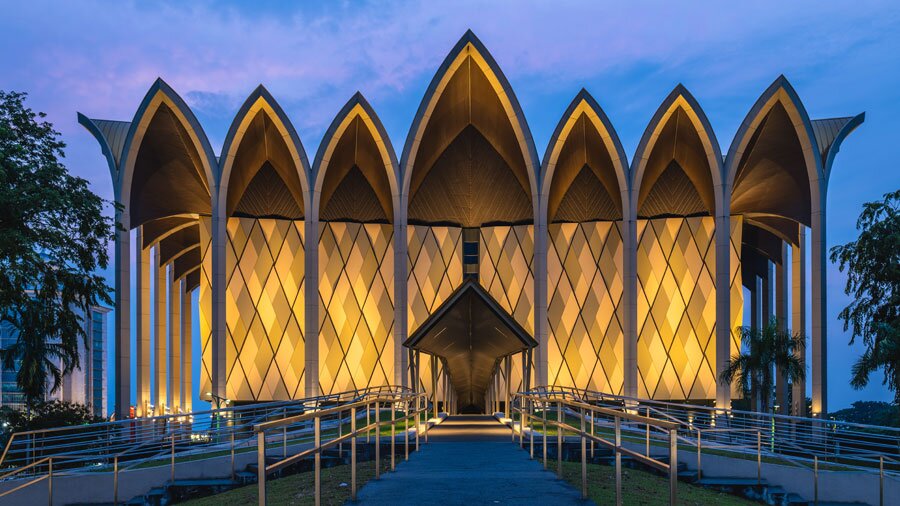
point(405, 398)
point(524, 404)
point(807, 443)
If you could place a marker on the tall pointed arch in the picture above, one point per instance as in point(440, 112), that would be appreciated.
point(681, 133)
point(355, 200)
point(774, 166)
point(168, 166)
point(263, 163)
point(584, 146)
point(356, 152)
point(469, 102)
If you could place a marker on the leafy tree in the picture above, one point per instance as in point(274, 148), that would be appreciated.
point(871, 413)
point(872, 263)
point(765, 349)
point(53, 238)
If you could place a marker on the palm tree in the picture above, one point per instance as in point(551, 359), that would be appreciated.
point(764, 350)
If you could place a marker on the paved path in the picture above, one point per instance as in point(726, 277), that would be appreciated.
point(469, 460)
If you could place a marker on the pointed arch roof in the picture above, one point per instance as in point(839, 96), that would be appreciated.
point(358, 111)
point(261, 103)
point(191, 142)
point(680, 99)
point(470, 46)
point(584, 105)
point(111, 136)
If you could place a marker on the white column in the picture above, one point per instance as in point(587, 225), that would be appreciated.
point(723, 306)
point(159, 334)
point(142, 324)
point(218, 241)
point(541, 331)
point(311, 303)
point(401, 363)
point(798, 316)
point(174, 345)
point(781, 314)
point(187, 307)
point(629, 298)
point(123, 316)
point(819, 310)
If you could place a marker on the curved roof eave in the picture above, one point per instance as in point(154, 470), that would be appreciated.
point(332, 135)
point(621, 160)
point(704, 129)
point(835, 145)
point(796, 111)
point(112, 156)
point(419, 121)
point(141, 120)
point(235, 134)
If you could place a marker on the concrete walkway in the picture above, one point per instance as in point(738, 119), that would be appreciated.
point(469, 460)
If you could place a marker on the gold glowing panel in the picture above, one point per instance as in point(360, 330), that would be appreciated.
point(264, 311)
point(737, 294)
point(677, 306)
point(356, 306)
point(434, 270)
point(584, 312)
point(505, 270)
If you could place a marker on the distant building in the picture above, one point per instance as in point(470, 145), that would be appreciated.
point(86, 385)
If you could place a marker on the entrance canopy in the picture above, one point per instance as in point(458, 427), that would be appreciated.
point(470, 331)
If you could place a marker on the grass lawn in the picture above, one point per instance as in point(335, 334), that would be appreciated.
point(298, 489)
point(640, 487)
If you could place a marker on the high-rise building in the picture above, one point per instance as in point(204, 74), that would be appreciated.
point(85, 385)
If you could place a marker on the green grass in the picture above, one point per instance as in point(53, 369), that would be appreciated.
point(640, 487)
point(298, 489)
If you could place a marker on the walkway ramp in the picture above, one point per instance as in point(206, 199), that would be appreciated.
point(469, 460)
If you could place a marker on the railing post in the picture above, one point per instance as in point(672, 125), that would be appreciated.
point(340, 433)
point(618, 461)
point(393, 433)
point(172, 458)
point(418, 427)
point(261, 466)
point(50, 483)
point(544, 430)
point(758, 458)
point(881, 480)
point(699, 464)
point(531, 432)
point(592, 434)
point(377, 441)
point(584, 492)
point(406, 430)
point(368, 423)
point(559, 438)
point(673, 466)
point(353, 454)
point(647, 414)
point(232, 454)
point(317, 428)
point(816, 479)
point(116, 479)
point(284, 442)
point(521, 426)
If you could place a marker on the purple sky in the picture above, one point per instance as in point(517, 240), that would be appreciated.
point(99, 58)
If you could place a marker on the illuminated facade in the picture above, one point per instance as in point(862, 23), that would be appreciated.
point(582, 270)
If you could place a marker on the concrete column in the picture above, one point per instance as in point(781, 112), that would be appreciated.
point(629, 299)
point(401, 363)
point(798, 316)
point(122, 287)
point(187, 332)
point(508, 385)
point(755, 304)
point(781, 314)
point(174, 344)
point(541, 330)
point(217, 291)
point(819, 311)
point(159, 334)
point(723, 306)
point(142, 323)
point(767, 284)
point(311, 304)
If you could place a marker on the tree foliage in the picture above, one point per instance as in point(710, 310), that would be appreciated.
point(763, 350)
point(53, 238)
point(872, 263)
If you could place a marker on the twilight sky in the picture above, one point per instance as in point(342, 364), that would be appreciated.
point(100, 58)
